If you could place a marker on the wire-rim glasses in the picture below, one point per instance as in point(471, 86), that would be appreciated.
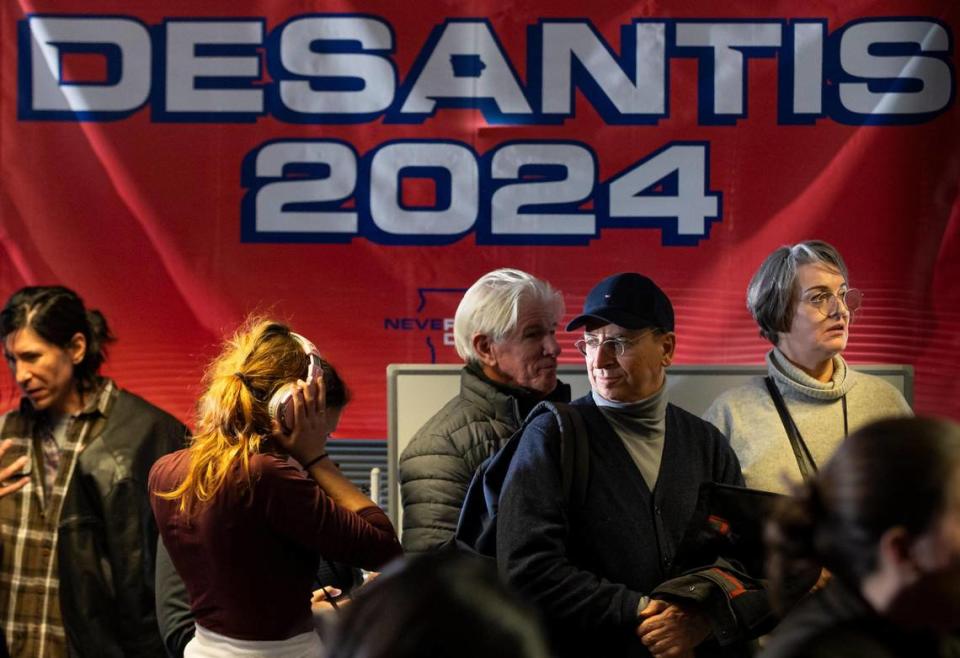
point(590, 345)
point(828, 303)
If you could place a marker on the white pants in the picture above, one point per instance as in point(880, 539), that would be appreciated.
point(207, 644)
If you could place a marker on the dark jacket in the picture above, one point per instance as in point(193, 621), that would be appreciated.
point(587, 568)
point(107, 534)
point(836, 622)
point(440, 460)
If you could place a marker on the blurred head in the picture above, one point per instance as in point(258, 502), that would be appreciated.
point(884, 513)
point(232, 419)
point(53, 345)
point(440, 604)
point(628, 338)
point(799, 298)
point(506, 323)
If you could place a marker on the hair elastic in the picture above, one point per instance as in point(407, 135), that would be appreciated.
point(315, 460)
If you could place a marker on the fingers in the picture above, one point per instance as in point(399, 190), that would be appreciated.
point(655, 607)
point(12, 469)
point(314, 396)
point(665, 642)
point(299, 405)
point(325, 593)
point(16, 486)
point(317, 413)
point(4, 446)
point(656, 634)
point(673, 633)
point(664, 616)
point(309, 391)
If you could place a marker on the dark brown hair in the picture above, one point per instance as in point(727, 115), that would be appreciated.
point(890, 473)
point(438, 604)
point(57, 314)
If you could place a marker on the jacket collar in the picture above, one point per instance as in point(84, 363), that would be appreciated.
point(99, 401)
point(503, 401)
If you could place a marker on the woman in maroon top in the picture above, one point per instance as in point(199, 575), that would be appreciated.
point(245, 511)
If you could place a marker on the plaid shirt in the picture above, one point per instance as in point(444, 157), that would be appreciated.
point(29, 521)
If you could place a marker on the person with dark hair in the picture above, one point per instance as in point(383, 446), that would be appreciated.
point(783, 425)
point(883, 516)
point(247, 509)
point(77, 538)
point(438, 605)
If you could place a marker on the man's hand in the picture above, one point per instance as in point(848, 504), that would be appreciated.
point(10, 478)
point(670, 630)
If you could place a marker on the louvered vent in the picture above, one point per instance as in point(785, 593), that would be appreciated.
point(357, 457)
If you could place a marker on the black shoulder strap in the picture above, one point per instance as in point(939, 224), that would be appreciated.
point(805, 462)
point(477, 526)
point(574, 448)
point(574, 454)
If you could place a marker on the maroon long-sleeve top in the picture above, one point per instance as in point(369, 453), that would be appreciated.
point(249, 556)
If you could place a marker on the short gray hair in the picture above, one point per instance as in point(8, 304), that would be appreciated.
point(771, 295)
point(491, 306)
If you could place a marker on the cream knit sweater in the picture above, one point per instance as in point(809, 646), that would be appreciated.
point(747, 417)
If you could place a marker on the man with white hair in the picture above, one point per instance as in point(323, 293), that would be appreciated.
point(505, 331)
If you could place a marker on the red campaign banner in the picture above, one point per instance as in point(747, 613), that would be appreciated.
point(353, 168)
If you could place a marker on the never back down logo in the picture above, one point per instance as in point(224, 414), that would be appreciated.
point(433, 319)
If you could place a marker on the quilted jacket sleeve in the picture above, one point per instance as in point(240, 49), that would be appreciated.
point(435, 471)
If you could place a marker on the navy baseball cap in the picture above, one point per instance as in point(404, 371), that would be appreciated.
point(629, 300)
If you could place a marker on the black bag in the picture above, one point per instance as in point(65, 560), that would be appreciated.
point(477, 527)
point(728, 521)
point(721, 561)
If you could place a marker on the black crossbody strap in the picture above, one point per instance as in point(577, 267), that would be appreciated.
point(574, 455)
point(805, 462)
point(846, 428)
point(578, 490)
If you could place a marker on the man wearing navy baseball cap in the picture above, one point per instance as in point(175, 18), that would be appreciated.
point(595, 569)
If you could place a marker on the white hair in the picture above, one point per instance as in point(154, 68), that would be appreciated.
point(491, 307)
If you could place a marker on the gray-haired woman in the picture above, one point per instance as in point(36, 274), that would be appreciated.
point(783, 425)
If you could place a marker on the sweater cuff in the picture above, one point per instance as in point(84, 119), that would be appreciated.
point(633, 603)
point(642, 604)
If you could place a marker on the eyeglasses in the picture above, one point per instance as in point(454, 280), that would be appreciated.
point(591, 345)
point(828, 303)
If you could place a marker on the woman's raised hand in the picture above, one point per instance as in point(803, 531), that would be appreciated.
point(308, 439)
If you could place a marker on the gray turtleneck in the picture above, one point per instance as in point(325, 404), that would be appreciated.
point(641, 426)
point(747, 417)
